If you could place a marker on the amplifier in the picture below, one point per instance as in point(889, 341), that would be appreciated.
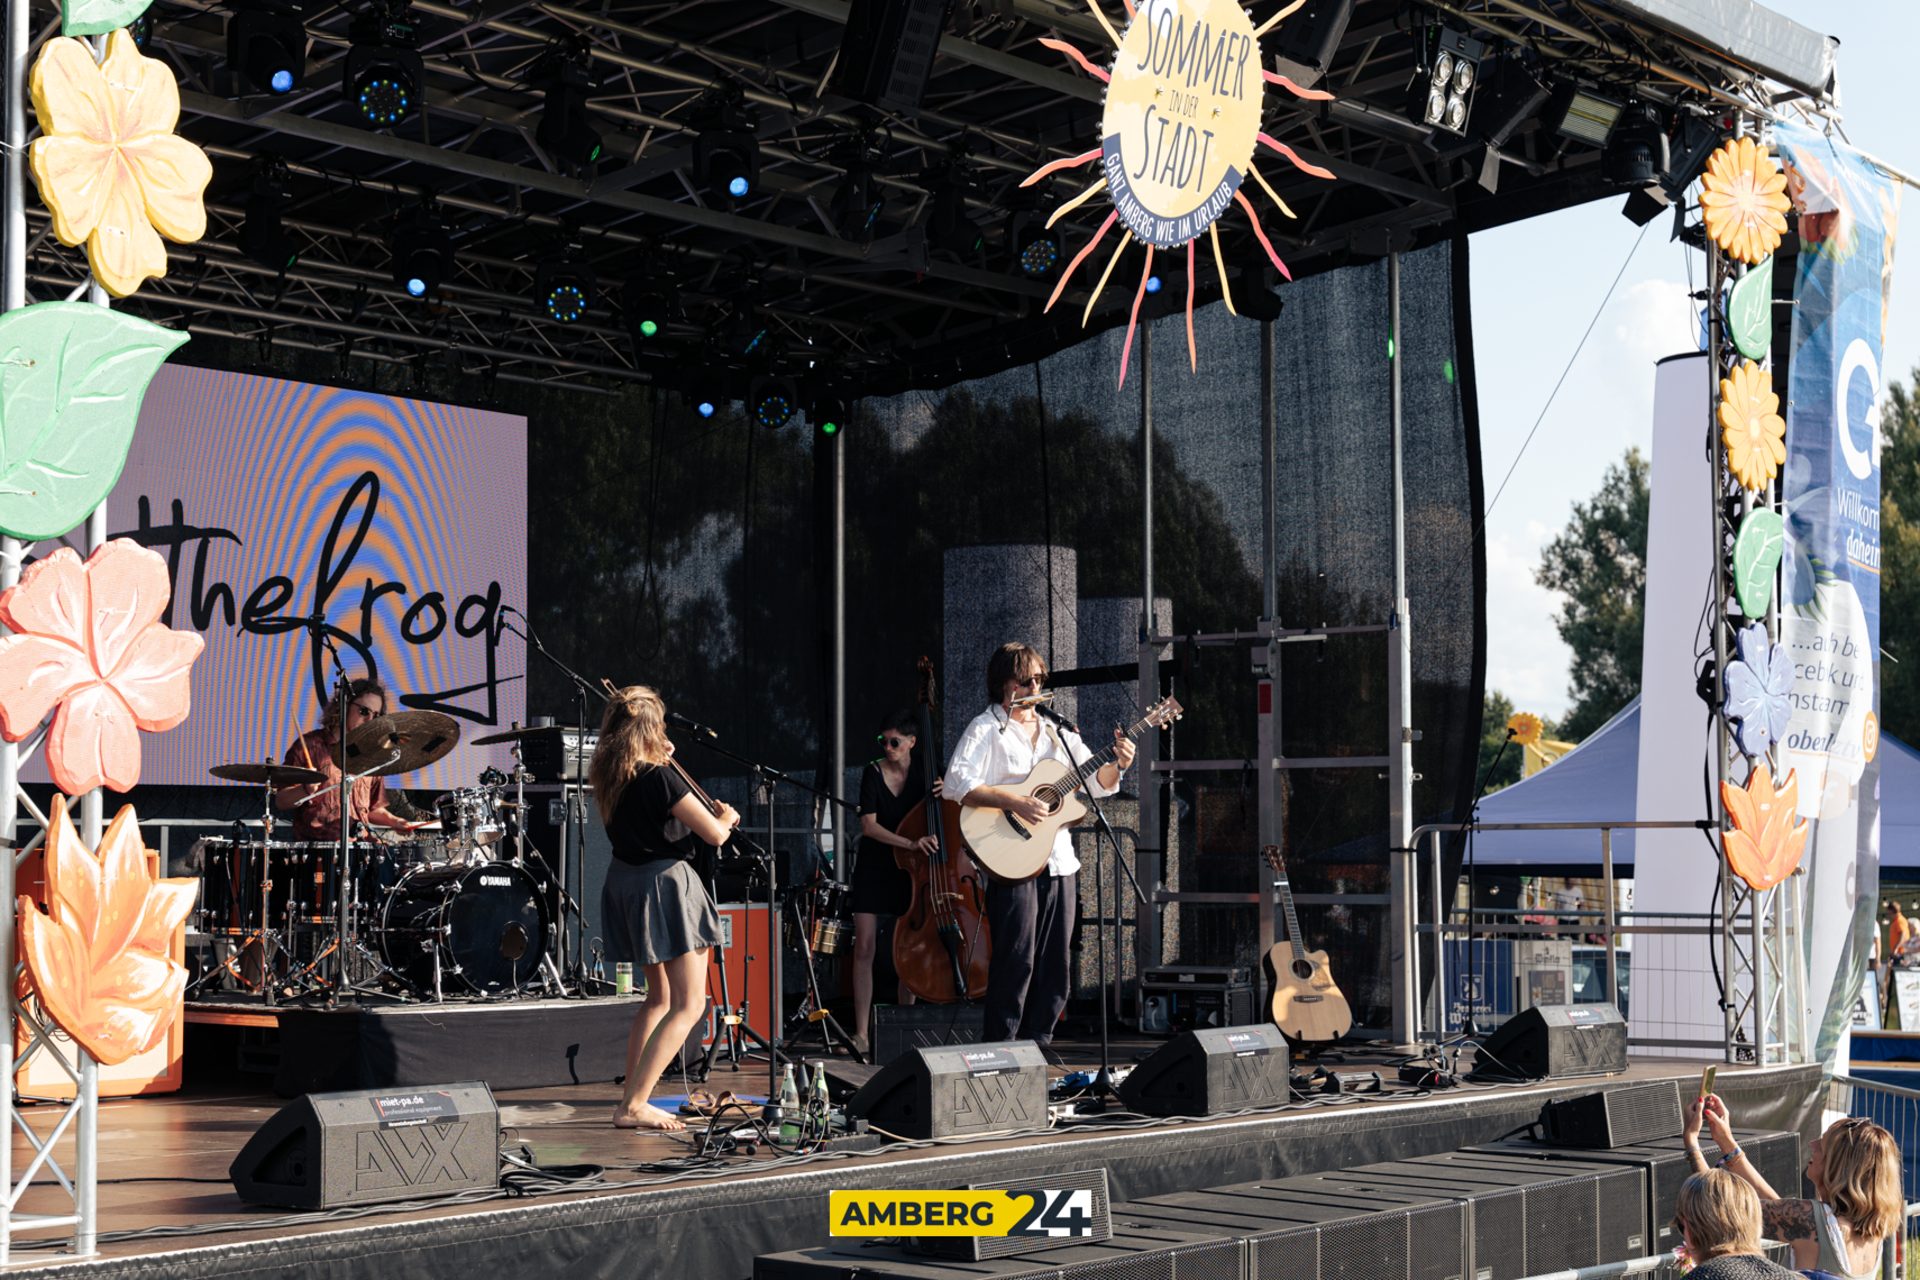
point(1614, 1117)
point(1196, 976)
point(1192, 998)
point(558, 754)
point(1079, 1197)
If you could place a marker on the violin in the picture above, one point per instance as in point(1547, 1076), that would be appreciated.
point(739, 851)
point(941, 946)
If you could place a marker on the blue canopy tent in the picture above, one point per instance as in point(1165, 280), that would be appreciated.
point(1598, 781)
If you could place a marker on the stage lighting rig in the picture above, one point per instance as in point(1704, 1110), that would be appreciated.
point(949, 225)
point(829, 415)
point(563, 75)
point(1637, 152)
point(262, 238)
point(704, 408)
point(646, 309)
point(1579, 113)
point(772, 401)
point(858, 200)
point(564, 286)
point(422, 251)
point(267, 47)
point(726, 154)
point(1034, 249)
point(1446, 72)
point(384, 77)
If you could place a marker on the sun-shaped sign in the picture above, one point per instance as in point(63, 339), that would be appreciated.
point(1184, 96)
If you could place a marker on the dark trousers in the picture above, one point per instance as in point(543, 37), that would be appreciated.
point(1027, 978)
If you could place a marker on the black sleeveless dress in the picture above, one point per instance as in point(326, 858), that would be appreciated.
point(880, 887)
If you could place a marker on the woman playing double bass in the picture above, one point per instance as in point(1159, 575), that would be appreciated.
point(655, 911)
point(890, 787)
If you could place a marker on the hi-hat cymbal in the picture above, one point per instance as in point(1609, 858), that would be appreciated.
point(515, 735)
point(272, 775)
point(418, 737)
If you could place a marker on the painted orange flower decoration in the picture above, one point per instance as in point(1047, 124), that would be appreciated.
point(1751, 426)
point(1526, 727)
point(1744, 200)
point(100, 958)
point(108, 163)
point(88, 640)
point(1766, 842)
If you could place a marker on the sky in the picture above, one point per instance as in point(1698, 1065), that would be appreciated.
point(1536, 286)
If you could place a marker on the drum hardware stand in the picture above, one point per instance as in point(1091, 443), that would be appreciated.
point(732, 1027)
point(813, 1010)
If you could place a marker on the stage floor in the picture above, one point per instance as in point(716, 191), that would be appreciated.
point(163, 1161)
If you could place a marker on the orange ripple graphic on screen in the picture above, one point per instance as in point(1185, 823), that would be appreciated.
point(241, 480)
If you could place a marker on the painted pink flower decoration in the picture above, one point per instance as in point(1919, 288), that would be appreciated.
point(88, 639)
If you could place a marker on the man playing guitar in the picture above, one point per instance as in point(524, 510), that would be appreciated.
point(1030, 921)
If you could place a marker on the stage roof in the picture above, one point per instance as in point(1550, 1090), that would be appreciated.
point(858, 317)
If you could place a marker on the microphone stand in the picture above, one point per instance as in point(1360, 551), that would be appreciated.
point(1102, 1086)
point(1469, 1030)
point(576, 966)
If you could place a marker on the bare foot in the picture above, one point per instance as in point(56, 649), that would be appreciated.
point(647, 1116)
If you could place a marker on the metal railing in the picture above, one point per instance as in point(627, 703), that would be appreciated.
point(1896, 1109)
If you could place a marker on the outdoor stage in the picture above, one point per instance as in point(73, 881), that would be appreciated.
point(711, 1223)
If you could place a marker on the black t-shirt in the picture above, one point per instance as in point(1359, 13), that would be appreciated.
point(887, 807)
point(643, 828)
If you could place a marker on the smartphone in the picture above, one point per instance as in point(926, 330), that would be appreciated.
point(1706, 1082)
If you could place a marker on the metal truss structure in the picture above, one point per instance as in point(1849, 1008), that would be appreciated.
point(784, 281)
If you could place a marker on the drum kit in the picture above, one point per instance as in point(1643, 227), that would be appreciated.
point(447, 908)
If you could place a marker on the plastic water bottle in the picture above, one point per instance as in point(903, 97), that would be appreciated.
point(789, 1107)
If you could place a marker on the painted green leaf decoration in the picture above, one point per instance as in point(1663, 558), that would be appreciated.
point(72, 376)
point(1756, 554)
point(97, 17)
point(1750, 311)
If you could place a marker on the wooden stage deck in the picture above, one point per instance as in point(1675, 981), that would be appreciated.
point(164, 1159)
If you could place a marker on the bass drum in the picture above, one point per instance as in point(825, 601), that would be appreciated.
point(485, 924)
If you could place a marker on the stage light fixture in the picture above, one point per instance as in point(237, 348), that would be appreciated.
point(646, 309)
point(262, 238)
point(564, 129)
point(1153, 284)
point(704, 408)
point(384, 77)
point(726, 154)
point(1582, 115)
point(1441, 95)
point(1637, 152)
point(772, 401)
point(422, 252)
point(267, 46)
point(949, 225)
point(857, 202)
point(1034, 248)
point(829, 414)
point(564, 286)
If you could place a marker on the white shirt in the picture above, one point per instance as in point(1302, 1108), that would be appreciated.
point(994, 752)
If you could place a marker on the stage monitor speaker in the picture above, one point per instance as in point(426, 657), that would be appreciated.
point(1073, 1201)
point(1556, 1041)
point(955, 1092)
point(365, 1146)
point(1614, 1117)
point(887, 51)
point(900, 1027)
point(1200, 1073)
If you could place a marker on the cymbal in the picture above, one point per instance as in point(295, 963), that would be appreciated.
point(420, 738)
point(515, 735)
point(272, 775)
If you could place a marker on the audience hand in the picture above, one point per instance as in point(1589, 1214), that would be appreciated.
point(1719, 1123)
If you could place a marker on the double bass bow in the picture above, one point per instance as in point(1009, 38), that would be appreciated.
point(941, 946)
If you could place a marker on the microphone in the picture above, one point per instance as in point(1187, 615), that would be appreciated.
point(679, 721)
point(1057, 718)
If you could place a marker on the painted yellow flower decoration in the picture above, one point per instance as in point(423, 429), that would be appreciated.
point(108, 163)
point(1744, 200)
point(1751, 425)
point(1526, 727)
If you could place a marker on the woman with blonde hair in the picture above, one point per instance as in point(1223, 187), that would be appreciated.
point(1719, 1218)
point(1855, 1170)
point(656, 912)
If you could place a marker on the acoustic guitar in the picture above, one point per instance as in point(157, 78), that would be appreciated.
point(1307, 1006)
point(1012, 849)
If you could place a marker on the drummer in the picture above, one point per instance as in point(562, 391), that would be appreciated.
point(319, 818)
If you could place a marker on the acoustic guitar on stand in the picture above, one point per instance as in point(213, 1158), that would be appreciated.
point(1307, 1006)
point(1012, 849)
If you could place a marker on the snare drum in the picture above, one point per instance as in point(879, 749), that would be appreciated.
point(470, 821)
point(486, 925)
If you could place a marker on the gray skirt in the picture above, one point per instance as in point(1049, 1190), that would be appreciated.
point(656, 911)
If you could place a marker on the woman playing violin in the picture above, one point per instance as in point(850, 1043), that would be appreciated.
point(889, 789)
point(656, 912)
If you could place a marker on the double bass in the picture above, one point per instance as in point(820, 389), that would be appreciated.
point(941, 945)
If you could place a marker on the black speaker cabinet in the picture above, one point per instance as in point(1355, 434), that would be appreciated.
point(966, 1089)
point(887, 51)
point(1137, 1254)
point(1614, 1117)
point(365, 1146)
point(1200, 1073)
point(1557, 1041)
point(900, 1027)
point(1775, 1155)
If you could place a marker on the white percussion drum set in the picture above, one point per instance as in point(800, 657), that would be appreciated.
point(455, 908)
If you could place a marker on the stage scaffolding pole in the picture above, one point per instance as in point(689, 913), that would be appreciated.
point(1148, 856)
point(837, 756)
point(13, 295)
point(1402, 884)
point(1266, 656)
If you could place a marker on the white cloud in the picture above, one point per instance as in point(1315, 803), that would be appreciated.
point(1526, 659)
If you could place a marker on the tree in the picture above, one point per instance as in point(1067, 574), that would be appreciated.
point(1599, 562)
point(1493, 732)
point(1900, 561)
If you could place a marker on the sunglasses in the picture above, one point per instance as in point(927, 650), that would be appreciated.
point(892, 742)
point(1022, 682)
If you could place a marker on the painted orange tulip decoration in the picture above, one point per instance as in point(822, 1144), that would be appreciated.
point(99, 958)
point(90, 647)
point(1767, 839)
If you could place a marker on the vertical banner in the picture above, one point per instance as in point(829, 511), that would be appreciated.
point(1849, 213)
